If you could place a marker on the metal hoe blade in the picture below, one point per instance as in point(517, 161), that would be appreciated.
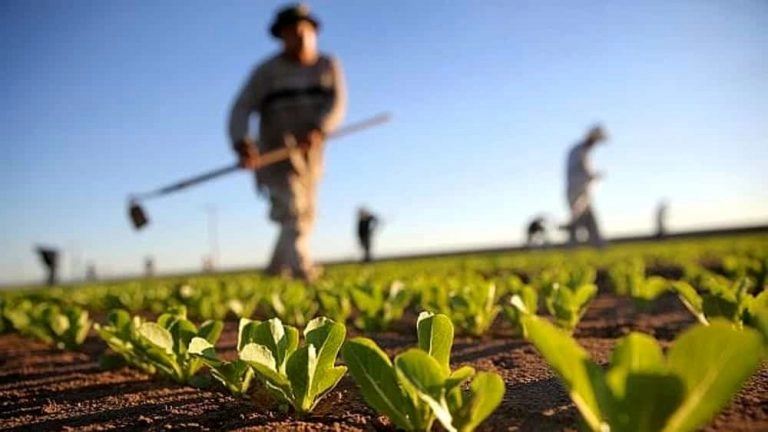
point(137, 215)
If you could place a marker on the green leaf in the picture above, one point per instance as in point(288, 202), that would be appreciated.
point(327, 337)
point(645, 393)
point(261, 359)
point(157, 336)
point(637, 352)
point(647, 401)
point(424, 380)
point(435, 334)
point(245, 332)
point(421, 370)
point(118, 318)
point(279, 339)
point(583, 379)
point(457, 377)
point(300, 368)
point(485, 395)
point(582, 296)
point(691, 300)
point(202, 348)
point(373, 372)
point(59, 324)
point(713, 362)
point(211, 330)
point(182, 332)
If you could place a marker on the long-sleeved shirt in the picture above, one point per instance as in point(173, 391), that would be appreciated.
point(579, 171)
point(290, 98)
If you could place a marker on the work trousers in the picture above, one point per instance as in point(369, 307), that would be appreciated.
point(583, 218)
point(293, 200)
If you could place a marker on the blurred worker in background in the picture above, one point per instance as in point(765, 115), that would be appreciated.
point(661, 219)
point(50, 259)
point(149, 266)
point(300, 97)
point(536, 233)
point(580, 177)
point(366, 224)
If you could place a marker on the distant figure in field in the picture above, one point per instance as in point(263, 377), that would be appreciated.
point(537, 232)
point(90, 273)
point(207, 264)
point(50, 259)
point(366, 223)
point(149, 266)
point(580, 178)
point(661, 219)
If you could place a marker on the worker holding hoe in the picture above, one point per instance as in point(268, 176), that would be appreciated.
point(580, 178)
point(300, 97)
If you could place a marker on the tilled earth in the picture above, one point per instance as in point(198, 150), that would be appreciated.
point(42, 388)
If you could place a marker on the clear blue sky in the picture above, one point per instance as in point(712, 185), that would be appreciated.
point(104, 98)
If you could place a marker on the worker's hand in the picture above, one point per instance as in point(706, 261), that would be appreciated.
point(247, 153)
point(312, 139)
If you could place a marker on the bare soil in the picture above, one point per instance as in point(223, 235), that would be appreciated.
point(42, 388)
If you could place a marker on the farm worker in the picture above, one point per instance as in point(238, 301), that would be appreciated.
point(661, 219)
point(50, 259)
point(299, 95)
point(580, 178)
point(366, 223)
point(536, 232)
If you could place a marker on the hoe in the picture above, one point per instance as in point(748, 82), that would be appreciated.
point(139, 217)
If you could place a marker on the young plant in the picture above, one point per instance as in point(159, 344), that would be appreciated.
point(568, 305)
point(524, 300)
point(236, 375)
point(727, 300)
point(293, 302)
point(66, 327)
point(161, 346)
point(297, 376)
point(202, 299)
point(419, 386)
point(642, 391)
point(629, 280)
point(379, 306)
point(334, 302)
point(474, 307)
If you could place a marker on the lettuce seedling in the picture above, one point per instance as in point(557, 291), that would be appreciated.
point(568, 305)
point(236, 375)
point(727, 300)
point(629, 279)
point(474, 307)
point(120, 333)
point(524, 300)
point(299, 376)
point(66, 327)
point(379, 306)
point(292, 302)
point(419, 386)
point(69, 325)
point(161, 346)
point(334, 302)
point(642, 391)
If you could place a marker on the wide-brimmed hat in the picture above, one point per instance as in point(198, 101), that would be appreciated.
point(291, 15)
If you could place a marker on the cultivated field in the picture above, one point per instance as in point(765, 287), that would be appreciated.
point(667, 335)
